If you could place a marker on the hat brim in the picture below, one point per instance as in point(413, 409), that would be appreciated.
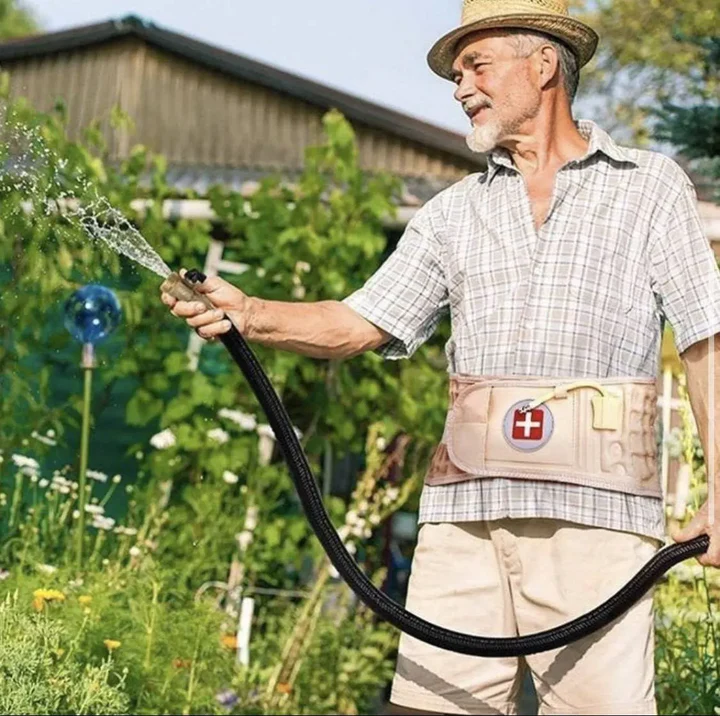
point(581, 38)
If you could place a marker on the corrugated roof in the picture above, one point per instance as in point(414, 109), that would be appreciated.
point(246, 69)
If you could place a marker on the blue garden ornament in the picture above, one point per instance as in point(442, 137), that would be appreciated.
point(92, 313)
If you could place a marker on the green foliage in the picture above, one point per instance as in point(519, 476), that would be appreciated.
point(207, 517)
point(16, 20)
point(37, 677)
point(653, 56)
point(687, 655)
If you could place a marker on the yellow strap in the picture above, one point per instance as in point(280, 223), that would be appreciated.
point(561, 391)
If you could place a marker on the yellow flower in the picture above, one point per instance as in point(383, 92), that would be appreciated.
point(59, 652)
point(46, 595)
point(84, 600)
point(49, 595)
point(230, 641)
point(111, 644)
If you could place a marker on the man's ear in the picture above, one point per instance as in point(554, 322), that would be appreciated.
point(549, 67)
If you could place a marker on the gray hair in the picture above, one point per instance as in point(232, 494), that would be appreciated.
point(526, 42)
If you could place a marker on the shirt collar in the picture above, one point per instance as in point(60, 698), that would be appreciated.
point(599, 141)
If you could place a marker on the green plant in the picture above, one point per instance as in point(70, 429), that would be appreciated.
point(37, 676)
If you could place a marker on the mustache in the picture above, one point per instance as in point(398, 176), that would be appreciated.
point(472, 105)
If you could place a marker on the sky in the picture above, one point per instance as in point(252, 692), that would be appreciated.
point(374, 49)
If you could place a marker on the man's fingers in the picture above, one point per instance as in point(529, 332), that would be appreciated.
point(711, 558)
point(205, 318)
point(167, 299)
point(185, 309)
point(210, 284)
point(214, 329)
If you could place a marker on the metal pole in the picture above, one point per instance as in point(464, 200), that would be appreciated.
point(88, 364)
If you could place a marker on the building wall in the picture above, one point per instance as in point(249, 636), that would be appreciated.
point(194, 115)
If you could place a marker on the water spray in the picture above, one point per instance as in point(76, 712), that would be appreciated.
point(184, 289)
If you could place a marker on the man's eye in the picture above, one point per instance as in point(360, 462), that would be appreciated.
point(480, 64)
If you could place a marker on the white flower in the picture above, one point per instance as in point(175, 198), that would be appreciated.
point(129, 531)
point(50, 433)
point(4, 574)
point(135, 551)
point(230, 477)
point(117, 479)
point(162, 441)
point(42, 438)
point(139, 454)
point(23, 461)
point(358, 529)
point(46, 569)
point(218, 435)
point(33, 477)
point(374, 518)
point(251, 517)
point(96, 475)
point(363, 506)
point(95, 509)
point(393, 493)
point(351, 517)
point(103, 523)
point(244, 539)
point(344, 532)
point(246, 421)
point(76, 514)
point(381, 443)
point(350, 547)
point(302, 266)
point(367, 533)
point(43, 483)
point(298, 292)
point(260, 272)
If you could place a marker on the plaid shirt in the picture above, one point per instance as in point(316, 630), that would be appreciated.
point(622, 249)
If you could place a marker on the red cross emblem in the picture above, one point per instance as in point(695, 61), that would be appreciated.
point(528, 425)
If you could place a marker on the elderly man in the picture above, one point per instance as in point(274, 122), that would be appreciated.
point(558, 265)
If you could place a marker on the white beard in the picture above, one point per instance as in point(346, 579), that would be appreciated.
point(484, 139)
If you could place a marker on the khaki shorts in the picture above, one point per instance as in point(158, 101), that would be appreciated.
point(519, 576)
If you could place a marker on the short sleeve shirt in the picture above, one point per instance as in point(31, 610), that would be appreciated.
point(622, 250)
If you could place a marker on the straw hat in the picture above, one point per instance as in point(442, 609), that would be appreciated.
point(549, 16)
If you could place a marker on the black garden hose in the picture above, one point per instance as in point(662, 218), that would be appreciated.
point(380, 603)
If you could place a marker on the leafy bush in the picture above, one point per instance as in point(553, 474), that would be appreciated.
point(37, 676)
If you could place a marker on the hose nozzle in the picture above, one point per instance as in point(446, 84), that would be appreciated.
point(184, 288)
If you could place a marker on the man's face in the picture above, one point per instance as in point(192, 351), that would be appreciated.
point(499, 91)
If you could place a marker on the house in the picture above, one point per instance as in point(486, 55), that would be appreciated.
point(219, 117)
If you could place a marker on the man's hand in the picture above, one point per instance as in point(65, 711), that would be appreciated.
point(228, 300)
point(701, 524)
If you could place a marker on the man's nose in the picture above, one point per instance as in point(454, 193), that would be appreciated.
point(465, 89)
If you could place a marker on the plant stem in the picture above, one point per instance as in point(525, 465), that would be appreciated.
point(151, 627)
point(84, 445)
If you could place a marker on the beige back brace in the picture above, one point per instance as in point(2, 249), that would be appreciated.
point(599, 433)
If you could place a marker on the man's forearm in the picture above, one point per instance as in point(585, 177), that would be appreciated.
point(698, 360)
point(321, 329)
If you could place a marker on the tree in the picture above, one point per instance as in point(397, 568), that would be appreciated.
point(695, 129)
point(16, 20)
point(648, 54)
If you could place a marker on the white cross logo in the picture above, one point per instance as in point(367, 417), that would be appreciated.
point(528, 424)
